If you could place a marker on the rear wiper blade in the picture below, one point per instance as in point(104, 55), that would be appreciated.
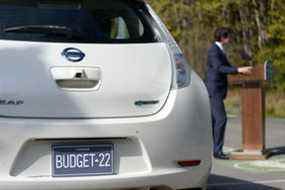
point(54, 30)
point(39, 28)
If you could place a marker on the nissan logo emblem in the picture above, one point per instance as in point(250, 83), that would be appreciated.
point(73, 54)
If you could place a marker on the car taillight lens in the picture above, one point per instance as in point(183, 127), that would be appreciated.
point(182, 71)
point(182, 68)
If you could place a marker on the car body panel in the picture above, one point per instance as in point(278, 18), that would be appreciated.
point(146, 144)
point(134, 102)
point(128, 73)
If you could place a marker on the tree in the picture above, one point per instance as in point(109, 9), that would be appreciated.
point(258, 27)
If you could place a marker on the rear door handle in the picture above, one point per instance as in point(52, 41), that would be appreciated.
point(70, 78)
point(77, 83)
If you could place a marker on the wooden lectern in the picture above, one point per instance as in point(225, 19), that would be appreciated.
point(253, 112)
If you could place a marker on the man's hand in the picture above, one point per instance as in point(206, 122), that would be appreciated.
point(245, 70)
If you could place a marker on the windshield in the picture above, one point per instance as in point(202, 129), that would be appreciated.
point(81, 21)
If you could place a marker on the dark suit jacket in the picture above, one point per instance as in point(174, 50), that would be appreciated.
point(218, 67)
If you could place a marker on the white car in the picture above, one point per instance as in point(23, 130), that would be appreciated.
point(97, 95)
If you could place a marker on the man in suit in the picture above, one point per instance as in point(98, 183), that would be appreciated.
point(218, 67)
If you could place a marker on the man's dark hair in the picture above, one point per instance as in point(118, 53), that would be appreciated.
point(222, 32)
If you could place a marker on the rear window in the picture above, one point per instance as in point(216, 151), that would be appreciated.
point(80, 21)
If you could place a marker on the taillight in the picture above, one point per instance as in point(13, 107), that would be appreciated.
point(182, 70)
point(182, 67)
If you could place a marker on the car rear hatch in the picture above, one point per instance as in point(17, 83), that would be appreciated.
point(81, 59)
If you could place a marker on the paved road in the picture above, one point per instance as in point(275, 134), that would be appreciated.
point(254, 175)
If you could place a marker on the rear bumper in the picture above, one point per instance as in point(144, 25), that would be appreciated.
point(159, 178)
point(148, 147)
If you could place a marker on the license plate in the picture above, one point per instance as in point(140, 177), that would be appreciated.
point(82, 160)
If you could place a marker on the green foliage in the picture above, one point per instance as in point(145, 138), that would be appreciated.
point(175, 14)
point(275, 46)
point(258, 30)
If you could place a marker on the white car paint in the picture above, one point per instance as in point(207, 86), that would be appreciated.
point(149, 140)
point(130, 73)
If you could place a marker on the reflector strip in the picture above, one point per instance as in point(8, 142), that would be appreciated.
point(189, 163)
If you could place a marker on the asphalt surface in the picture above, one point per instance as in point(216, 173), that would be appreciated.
point(251, 175)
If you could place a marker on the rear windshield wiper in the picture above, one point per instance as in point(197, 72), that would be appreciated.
point(46, 29)
point(38, 28)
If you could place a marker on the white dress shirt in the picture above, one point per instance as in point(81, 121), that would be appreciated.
point(219, 44)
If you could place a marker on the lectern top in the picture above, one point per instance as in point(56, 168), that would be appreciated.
point(262, 73)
